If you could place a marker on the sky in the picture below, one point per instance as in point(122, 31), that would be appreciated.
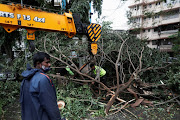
point(114, 11)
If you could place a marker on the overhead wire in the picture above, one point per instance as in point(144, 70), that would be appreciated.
point(118, 7)
point(112, 17)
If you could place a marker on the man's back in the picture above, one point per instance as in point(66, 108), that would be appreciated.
point(38, 97)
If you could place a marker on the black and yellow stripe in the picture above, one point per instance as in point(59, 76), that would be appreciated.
point(94, 31)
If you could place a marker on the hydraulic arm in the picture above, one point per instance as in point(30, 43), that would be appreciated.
point(17, 16)
point(14, 16)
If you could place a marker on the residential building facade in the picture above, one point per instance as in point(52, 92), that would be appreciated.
point(155, 21)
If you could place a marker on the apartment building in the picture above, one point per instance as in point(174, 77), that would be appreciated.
point(155, 20)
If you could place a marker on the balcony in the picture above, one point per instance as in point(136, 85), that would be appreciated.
point(162, 48)
point(170, 19)
point(137, 13)
point(171, 5)
point(135, 2)
point(165, 48)
point(150, 22)
point(152, 46)
point(155, 35)
point(161, 20)
point(150, 1)
point(169, 32)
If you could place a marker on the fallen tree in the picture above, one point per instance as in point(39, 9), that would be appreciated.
point(132, 68)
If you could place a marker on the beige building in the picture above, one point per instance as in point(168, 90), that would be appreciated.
point(155, 20)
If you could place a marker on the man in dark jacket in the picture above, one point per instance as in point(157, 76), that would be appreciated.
point(38, 95)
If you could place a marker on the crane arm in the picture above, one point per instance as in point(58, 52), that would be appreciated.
point(14, 16)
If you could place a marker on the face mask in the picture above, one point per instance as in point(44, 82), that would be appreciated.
point(45, 69)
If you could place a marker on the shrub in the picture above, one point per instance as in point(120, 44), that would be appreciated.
point(9, 92)
point(79, 101)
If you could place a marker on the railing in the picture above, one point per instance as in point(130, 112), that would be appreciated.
point(168, 17)
point(165, 48)
point(169, 32)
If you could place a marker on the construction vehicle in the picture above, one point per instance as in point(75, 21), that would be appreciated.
point(14, 16)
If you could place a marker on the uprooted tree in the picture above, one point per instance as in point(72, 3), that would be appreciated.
point(132, 68)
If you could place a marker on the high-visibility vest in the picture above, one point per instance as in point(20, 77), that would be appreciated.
point(69, 70)
point(102, 72)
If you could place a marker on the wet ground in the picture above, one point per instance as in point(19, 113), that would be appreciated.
point(12, 112)
point(145, 113)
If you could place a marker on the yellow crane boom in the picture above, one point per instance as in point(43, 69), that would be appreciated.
point(14, 16)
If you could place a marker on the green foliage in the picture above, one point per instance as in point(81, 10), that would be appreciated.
point(149, 14)
point(173, 77)
point(156, 59)
point(2, 36)
point(7, 41)
point(132, 48)
point(129, 16)
point(19, 65)
point(106, 26)
point(97, 5)
point(82, 7)
point(176, 42)
point(79, 101)
point(9, 92)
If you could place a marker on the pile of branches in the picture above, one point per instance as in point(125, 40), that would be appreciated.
point(124, 83)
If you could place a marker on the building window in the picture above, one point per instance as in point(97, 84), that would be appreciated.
point(137, 20)
point(155, 29)
point(145, 7)
point(158, 3)
point(173, 1)
point(147, 42)
point(171, 15)
point(136, 7)
point(170, 2)
point(154, 42)
point(149, 30)
point(166, 42)
point(156, 16)
point(144, 31)
point(150, 5)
